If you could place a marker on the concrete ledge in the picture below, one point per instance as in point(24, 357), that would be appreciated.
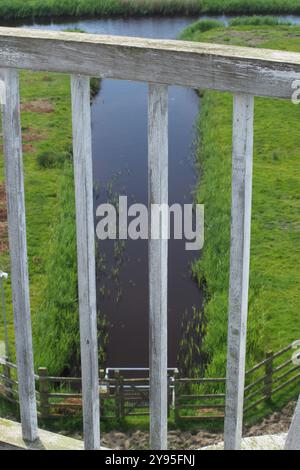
point(11, 435)
point(269, 442)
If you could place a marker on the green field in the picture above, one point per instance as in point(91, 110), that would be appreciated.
point(11, 9)
point(46, 129)
point(274, 298)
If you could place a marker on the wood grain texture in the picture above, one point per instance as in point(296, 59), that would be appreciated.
point(82, 150)
point(18, 251)
point(158, 265)
point(293, 438)
point(239, 267)
point(259, 72)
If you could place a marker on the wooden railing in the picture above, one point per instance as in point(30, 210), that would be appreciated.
point(197, 399)
point(245, 72)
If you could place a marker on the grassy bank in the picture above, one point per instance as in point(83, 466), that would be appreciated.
point(274, 298)
point(50, 214)
point(13, 9)
point(46, 129)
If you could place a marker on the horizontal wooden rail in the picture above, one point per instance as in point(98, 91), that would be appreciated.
point(259, 72)
point(202, 397)
point(64, 395)
point(203, 418)
point(274, 356)
point(245, 72)
point(201, 380)
point(254, 384)
point(206, 407)
point(3, 362)
point(8, 380)
point(64, 379)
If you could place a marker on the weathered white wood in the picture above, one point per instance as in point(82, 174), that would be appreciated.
point(293, 438)
point(239, 266)
point(158, 265)
point(82, 149)
point(255, 71)
point(18, 250)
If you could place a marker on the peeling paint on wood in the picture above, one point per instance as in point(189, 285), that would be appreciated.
point(254, 71)
point(293, 438)
point(158, 266)
point(18, 251)
point(242, 156)
point(82, 150)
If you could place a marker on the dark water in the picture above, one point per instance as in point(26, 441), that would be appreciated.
point(119, 122)
point(120, 144)
point(120, 159)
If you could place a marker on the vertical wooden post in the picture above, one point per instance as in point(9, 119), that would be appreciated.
point(176, 398)
point(7, 375)
point(82, 149)
point(121, 397)
point(169, 396)
point(269, 376)
point(44, 391)
point(18, 251)
point(101, 399)
point(239, 267)
point(158, 265)
point(117, 395)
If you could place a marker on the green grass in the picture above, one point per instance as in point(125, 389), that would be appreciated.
point(257, 21)
point(274, 297)
point(42, 132)
point(50, 216)
point(12, 9)
point(103, 8)
point(56, 325)
point(274, 287)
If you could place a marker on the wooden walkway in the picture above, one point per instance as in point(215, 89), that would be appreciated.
point(11, 438)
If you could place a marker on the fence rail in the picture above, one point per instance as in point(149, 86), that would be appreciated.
point(197, 399)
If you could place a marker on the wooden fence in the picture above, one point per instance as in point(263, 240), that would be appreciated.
point(244, 72)
point(198, 399)
point(204, 398)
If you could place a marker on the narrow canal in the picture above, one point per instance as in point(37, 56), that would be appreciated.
point(119, 124)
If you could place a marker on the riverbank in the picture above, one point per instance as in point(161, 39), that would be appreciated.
point(16, 9)
point(276, 423)
point(50, 215)
point(46, 129)
point(274, 300)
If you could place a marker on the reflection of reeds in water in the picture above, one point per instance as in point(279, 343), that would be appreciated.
point(103, 338)
point(191, 357)
point(108, 275)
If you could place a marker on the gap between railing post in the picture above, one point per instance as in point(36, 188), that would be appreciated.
point(82, 150)
point(158, 264)
point(18, 250)
point(269, 376)
point(7, 375)
point(242, 156)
